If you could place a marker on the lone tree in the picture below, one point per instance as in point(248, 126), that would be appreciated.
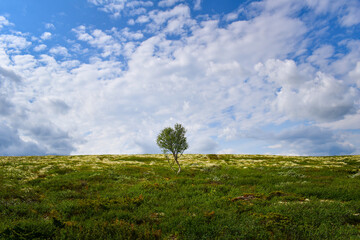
point(173, 141)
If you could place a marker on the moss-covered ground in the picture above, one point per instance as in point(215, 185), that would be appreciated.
point(214, 197)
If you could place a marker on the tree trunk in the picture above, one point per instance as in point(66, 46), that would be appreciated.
point(170, 163)
point(175, 157)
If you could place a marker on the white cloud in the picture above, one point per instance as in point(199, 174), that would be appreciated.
point(321, 56)
point(312, 140)
point(8, 74)
point(282, 7)
point(117, 7)
point(131, 22)
point(99, 39)
point(350, 122)
point(24, 62)
point(346, 11)
point(46, 36)
point(197, 5)
point(322, 98)
point(207, 77)
point(22, 132)
point(12, 144)
point(4, 57)
point(345, 63)
point(49, 26)
point(59, 50)
point(137, 11)
point(40, 48)
point(284, 73)
point(168, 3)
point(14, 42)
point(160, 17)
point(114, 7)
point(352, 17)
point(142, 19)
point(135, 4)
point(227, 151)
point(351, 14)
point(4, 22)
point(126, 34)
point(320, 6)
point(203, 145)
point(355, 75)
point(174, 21)
point(231, 16)
point(275, 146)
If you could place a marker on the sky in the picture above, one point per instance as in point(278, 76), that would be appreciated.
point(243, 77)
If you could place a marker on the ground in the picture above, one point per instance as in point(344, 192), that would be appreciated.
point(214, 197)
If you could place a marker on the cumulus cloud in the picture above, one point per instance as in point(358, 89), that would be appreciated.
point(322, 98)
point(46, 36)
point(172, 21)
point(6, 74)
point(168, 3)
point(55, 140)
point(58, 106)
point(22, 133)
point(118, 7)
point(203, 145)
point(59, 50)
point(99, 39)
point(142, 19)
point(135, 4)
point(355, 74)
point(8, 81)
point(14, 42)
point(225, 81)
point(4, 22)
point(312, 140)
point(350, 122)
point(321, 56)
point(40, 47)
point(284, 73)
point(12, 145)
point(114, 7)
point(346, 62)
point(125, 34)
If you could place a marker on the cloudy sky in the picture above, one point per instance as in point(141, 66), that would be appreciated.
point(105, 76)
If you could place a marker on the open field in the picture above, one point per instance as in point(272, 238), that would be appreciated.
point(214, 197)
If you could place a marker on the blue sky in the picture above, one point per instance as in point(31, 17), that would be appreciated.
point(252, 77)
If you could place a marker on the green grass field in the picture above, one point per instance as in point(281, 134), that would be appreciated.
point(214, 197)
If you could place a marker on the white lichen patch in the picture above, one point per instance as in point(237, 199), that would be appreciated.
point(31, 167)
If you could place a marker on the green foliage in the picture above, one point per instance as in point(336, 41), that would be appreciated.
point(173, 141)
point(212, 156)
point(29, 230)
point(135, 197)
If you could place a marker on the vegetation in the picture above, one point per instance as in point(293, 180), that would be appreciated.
point(215, 197)
point(173, 141)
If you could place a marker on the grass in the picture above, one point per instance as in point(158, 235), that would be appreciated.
point(214, 197)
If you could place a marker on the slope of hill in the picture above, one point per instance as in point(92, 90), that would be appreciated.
point(214, 197)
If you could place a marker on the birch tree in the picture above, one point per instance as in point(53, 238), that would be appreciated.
point(173, 140)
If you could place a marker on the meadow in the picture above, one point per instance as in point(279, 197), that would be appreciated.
point(214, 197)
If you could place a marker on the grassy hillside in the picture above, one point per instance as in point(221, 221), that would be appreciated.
point(214, 197)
